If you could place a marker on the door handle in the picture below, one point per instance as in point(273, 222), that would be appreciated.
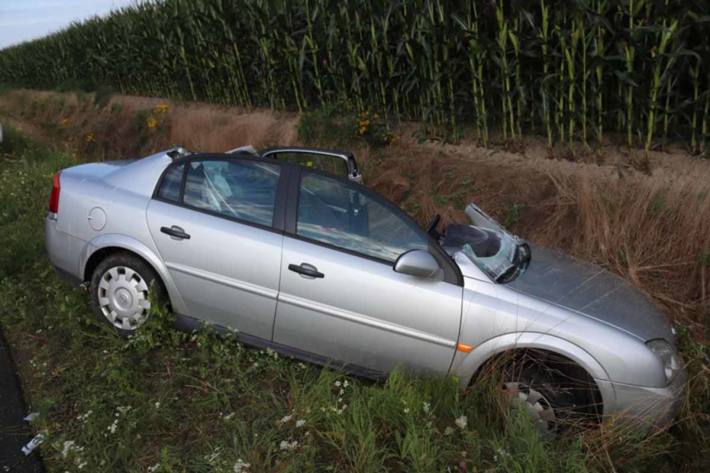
point(305, 269)
point(175, 232)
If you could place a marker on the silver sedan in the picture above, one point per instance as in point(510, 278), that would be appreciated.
point(290, 250)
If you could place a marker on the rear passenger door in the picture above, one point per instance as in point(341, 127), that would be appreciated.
point(216, 223)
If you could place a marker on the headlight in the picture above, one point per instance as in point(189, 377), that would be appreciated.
point(663, 350)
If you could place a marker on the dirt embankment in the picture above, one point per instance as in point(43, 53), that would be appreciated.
point(646, 217)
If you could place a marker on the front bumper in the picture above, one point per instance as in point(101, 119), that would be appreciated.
point(649, 408)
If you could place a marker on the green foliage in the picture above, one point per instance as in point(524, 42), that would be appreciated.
point(103, 96)
point(573, 70)
point(658, 203)
point(326, 126)
point(512, 215)
point(13, 143)
point(337, 125)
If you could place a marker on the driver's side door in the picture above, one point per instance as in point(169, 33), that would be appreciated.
point(340, 298)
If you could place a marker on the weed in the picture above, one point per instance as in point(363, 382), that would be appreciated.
point(512, 215)
point(102, 96)
point(328, 125)
point(658, 203)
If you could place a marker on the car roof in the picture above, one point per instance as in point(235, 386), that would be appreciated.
point(179, 153)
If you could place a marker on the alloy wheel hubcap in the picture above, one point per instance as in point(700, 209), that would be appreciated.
point(123, 297)
point(537, 405)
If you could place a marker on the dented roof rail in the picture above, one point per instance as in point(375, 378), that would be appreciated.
point(177, 152)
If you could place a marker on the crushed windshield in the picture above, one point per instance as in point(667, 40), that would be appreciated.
point(496, 252)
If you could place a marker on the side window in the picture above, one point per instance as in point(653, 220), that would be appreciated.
point(337, 213)
point(170, 185)
point(241, 189)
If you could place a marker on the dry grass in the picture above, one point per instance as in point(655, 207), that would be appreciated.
point(119, 127)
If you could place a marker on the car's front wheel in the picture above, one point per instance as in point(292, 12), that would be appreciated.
point(556, 393)
point(120, 291)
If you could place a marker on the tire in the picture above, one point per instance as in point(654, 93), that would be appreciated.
point(120, 291)
point(557, 393)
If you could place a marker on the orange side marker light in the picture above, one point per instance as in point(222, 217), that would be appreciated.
point(464, 348)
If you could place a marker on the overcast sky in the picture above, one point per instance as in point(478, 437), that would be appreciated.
point(22, 20)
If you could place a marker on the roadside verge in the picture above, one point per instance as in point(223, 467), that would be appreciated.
point(14, 431)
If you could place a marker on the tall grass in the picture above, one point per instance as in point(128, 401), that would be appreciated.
point(635, 67)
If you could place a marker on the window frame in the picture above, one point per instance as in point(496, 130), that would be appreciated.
point(452, 273)
point(162, 178)
point(277, 223)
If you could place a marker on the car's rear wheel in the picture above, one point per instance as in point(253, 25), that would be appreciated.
point(556, 393)
point(120, 289)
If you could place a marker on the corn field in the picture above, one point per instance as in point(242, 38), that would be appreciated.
point(572, 71)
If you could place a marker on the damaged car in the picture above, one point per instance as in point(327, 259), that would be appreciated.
point(286, 247)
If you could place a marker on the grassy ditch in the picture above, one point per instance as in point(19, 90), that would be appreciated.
point(167, 401)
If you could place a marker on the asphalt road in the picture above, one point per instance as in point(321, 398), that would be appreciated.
point(14, 431)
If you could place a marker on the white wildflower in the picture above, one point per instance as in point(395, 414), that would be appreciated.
point(157, 404)
point(448, 430)
point(346, 384)
point(426, 407)
point(69, 445)
point(241, 466)
point(112, 428)
point(338, 384)
point(85, 416)
point(406, 410)
point(286, 445)
point(285, 419)
point(502, 452)
point(300, 423)
point(229, 416)
point(461, 422)
point(154, 468)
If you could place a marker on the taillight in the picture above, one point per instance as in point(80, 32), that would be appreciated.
point(54, 198)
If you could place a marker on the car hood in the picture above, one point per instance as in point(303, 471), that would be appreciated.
point(593, 292)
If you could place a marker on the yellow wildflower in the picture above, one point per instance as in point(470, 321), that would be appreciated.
point(151, 123)
point(161, 108)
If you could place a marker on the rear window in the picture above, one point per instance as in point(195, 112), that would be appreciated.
point(245, 190)
point(330, 164)
point(170, 185)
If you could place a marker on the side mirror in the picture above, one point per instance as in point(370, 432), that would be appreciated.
point(417, 263)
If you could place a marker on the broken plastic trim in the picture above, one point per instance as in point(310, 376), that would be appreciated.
point(177, 152)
